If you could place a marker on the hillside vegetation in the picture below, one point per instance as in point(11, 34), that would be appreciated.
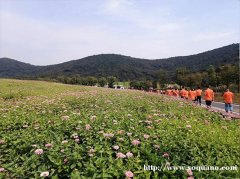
point(122, 67)
point(89, 132)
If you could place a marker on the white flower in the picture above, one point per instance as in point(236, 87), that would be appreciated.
point(44, 174)
point(116, 147)
point(64, 141)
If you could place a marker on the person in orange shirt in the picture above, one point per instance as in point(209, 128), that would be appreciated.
point(199, 95)
point(168, 91)
point(181, 93)
point(228, 100)
point(186, 94)
point(175, 92)
point(209, 97)
point(192, 95)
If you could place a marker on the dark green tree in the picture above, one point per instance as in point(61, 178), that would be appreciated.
point(181, 75)
point(102, 81)
point(212, 76)
point(161, 77)
point(111, 80)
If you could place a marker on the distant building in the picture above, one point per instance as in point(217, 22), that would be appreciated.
point(118, 86)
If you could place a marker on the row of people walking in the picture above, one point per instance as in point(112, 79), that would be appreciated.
point(195, 95)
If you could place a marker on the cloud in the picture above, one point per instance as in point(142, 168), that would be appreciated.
point(116, 5)
point(157, 21)
point(213, 36)
point(117, 26)
point(41, 43)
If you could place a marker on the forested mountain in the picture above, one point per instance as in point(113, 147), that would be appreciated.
point(122, 67)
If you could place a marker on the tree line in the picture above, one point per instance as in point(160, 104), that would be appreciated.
point(219, 79)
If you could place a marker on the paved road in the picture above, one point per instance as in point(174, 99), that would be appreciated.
point(236, 108)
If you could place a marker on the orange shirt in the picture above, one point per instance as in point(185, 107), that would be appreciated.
point(209, 95)
point(228, 97)
point(198, 92)
point(185, 93)
point(168, 92)
point(175, 92)
point(192, 94)
point(181, 92)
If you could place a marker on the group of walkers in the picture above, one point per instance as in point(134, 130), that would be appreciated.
point(195, 95)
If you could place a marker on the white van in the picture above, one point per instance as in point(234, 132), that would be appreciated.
point(118, 86)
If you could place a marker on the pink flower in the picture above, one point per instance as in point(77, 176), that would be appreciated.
point(189, 172)
point(116, 147)
point(136, 142)
point(77, 140)
point(49, 145)
point(108, 135)
point(87, 127)
point(129, 155)
point(146, 136)
point(2, 141)
point(191, 177)
point(121, 155)
point(148, 122)
point(93, 117)
point(91, 152)
point(65, 161)
point(44, 174)
point(38, 151)
point(165, 154)
point(188, 126)
point(206, 122)
point(65, 118)
point(129, 174)
point(2, 170)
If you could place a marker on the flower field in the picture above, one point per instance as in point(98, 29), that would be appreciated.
point(65, 131)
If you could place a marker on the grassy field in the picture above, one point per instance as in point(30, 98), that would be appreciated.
point(76, 132)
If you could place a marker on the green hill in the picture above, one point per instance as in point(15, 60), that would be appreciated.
point(122, 67)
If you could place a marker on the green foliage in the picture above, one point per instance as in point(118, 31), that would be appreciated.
point(161, 76)
point(181, 73)
point(141, 85)
point(102, 81)
point(53, 113)
point(111, 80)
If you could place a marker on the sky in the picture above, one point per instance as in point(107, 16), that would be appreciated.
point(43, 32)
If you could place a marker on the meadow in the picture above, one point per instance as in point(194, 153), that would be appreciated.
point(67, 131)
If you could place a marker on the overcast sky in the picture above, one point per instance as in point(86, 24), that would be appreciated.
point(43, 32)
